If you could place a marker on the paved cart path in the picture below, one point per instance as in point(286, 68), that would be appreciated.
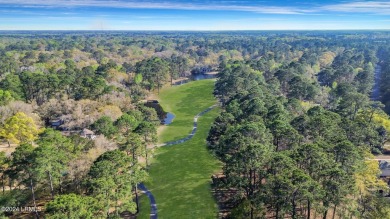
point(142, 187)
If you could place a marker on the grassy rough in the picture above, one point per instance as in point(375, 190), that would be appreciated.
point(181, 174)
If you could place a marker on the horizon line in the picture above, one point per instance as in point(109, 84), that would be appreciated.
point(206, 30)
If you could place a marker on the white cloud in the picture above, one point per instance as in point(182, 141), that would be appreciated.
point(155, 5)
point(372, 7)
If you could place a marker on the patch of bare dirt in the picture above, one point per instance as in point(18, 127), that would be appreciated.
point(8, 150)
point(382, 157)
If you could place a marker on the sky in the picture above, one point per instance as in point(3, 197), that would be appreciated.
point(193, 15)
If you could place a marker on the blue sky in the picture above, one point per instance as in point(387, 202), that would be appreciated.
point(193, 15)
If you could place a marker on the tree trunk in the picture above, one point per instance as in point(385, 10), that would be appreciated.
point(59, 180)
point(2, 182)
point(158, 84)
point(146, 152)
point(277, 144)
point(116, 202)
point(136, 199)
point(51, 185)
point(146, 157)
point(325, 214)
point(308, 209)
point(334, 211)
point(76, 185)
point(33, 195)
point(133, 155)
point(250, 182)
point(254, 181)
point(371, 116)
point(108, 206)
point(293, 205)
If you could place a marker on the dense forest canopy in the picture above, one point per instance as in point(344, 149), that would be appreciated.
point(296, 134)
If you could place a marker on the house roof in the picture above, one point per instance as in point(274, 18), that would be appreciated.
point(384, 166)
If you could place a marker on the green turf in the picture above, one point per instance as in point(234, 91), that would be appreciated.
point(181, 174)
point(144, 207)
point(185, 102)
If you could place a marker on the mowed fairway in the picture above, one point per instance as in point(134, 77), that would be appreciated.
point(181, 174)
point(185, 102)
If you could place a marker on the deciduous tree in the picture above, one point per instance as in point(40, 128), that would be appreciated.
point(19, 129)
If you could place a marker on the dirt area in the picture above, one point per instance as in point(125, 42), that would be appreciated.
point(382, 157)
point(160, 129)
point(183, 79)
point(211, 73)
point(8, 150)
point(152, 96)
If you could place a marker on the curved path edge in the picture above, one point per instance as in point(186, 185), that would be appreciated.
point(141, 186)
point(194, 128)
point(152, 200)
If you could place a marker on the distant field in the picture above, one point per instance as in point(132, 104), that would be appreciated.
point(181, 174)
point(185, 101)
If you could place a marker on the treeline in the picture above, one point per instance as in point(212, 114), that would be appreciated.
point(74, 81)
point(282, 158)
point(77, 177)
point(37, 67)
point(384, 77)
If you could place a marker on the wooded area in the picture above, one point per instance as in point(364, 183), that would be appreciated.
point(296, 134)
point(297, 140)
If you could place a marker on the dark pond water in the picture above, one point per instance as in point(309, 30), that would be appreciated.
point(166, 118)
point(198, 77)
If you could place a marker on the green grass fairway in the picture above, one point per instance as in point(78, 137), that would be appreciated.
point(185, 102)
point(181, 174)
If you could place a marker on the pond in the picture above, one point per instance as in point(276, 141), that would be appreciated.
point(198, 77)
point(168, 118)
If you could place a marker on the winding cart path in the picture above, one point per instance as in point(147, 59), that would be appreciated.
point(142, 187)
